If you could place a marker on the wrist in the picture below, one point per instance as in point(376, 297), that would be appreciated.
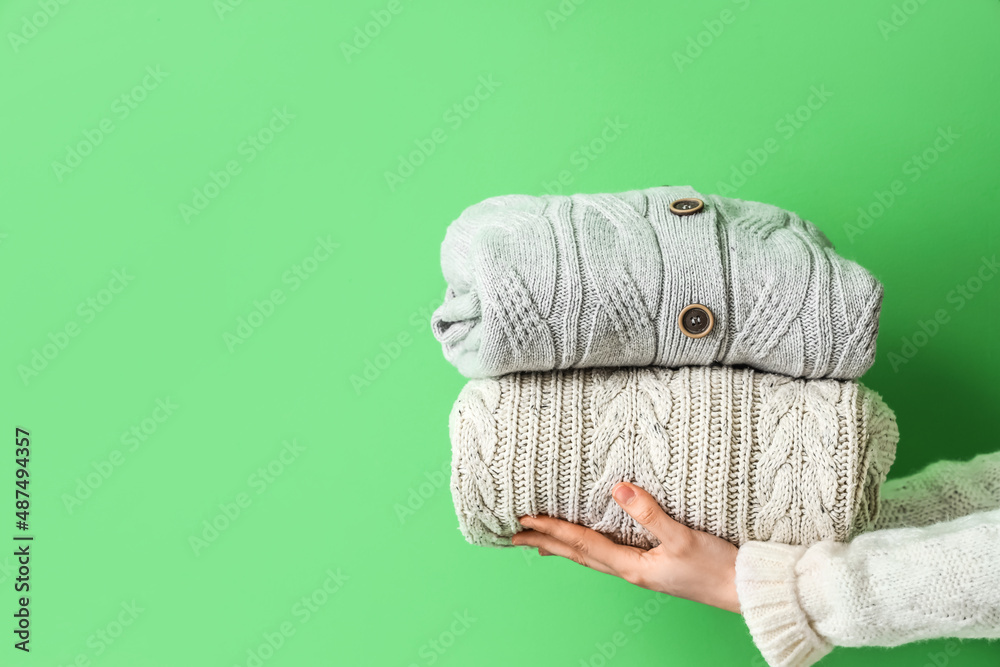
point(727, 595)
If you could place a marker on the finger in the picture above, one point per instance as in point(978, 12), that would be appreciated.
point(587, 542)
point(643, 507)
point(553, 546)
point(543, 552)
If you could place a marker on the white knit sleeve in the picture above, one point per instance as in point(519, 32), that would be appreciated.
point(884, 588)
point(942, 491)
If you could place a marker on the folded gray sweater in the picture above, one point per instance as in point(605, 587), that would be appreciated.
point(741, 454)
point(595, 280)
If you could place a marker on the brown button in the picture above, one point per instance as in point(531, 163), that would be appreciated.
point(686, 206)
point(696, 321)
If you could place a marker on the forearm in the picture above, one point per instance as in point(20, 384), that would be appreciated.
point(942, 491)
point(884, 588)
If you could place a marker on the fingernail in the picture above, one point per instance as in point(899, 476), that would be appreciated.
point(623, 493)
point(525, 520)
point(543, 552)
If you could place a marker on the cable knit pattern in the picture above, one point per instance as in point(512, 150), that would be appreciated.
point(598, 280)
point(929, 569)
point(739, 453)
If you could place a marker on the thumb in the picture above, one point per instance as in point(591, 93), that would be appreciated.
point(643, 507)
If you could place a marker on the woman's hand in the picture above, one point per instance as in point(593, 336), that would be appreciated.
point(687, 563)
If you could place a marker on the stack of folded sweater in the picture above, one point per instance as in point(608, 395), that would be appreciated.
point(705, 348)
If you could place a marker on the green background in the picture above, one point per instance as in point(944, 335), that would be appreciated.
point(894, 75)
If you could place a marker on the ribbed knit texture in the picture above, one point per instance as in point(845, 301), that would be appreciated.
point(742, 454)
point(598, 280)
point(932, 570)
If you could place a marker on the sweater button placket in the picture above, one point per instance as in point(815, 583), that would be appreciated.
point(695, 320)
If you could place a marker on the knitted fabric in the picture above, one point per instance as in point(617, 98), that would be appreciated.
point(598, 280)
point(941, 491)
point(742, 454)
point(930, 569)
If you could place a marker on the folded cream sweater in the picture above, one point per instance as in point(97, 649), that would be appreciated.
point(931, 569)
point(587, 280)
point(742, 454)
